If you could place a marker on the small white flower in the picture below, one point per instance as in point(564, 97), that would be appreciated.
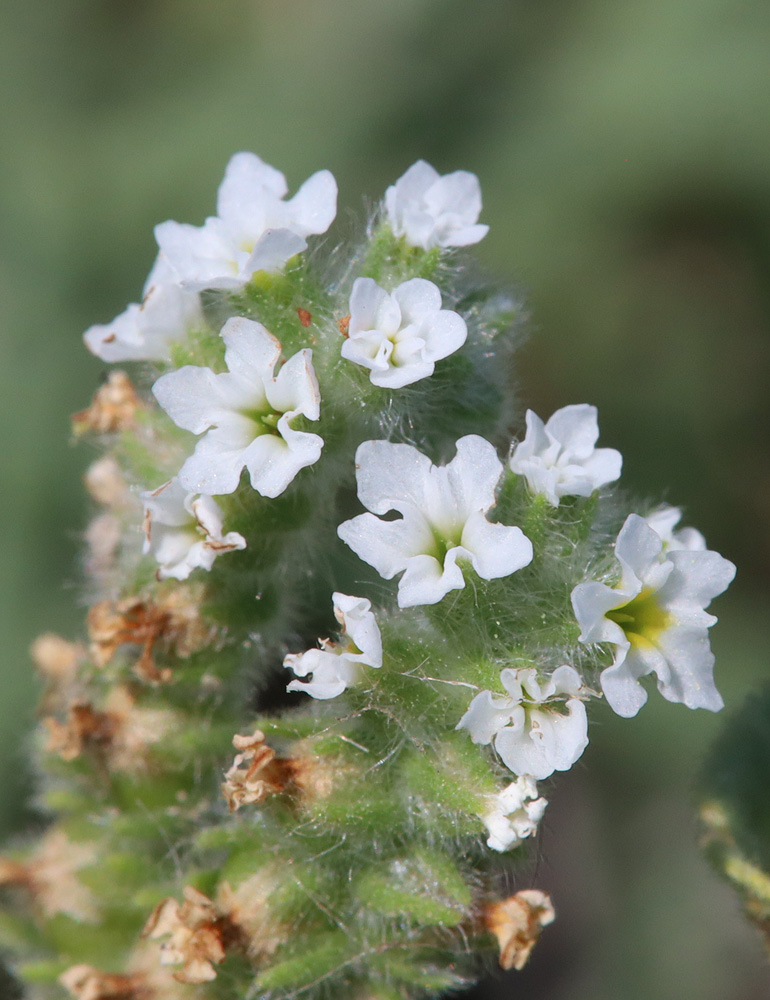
point(655, 618)
point(442, 520)
point(664, 520)
point(434, 211)
point(184, 532)
point(400, 337)
point(335, 667)
point(559, 459)
point(254, 228)
point(145, 332)
point(514, 814)
point(531, 733)
point(246, 412)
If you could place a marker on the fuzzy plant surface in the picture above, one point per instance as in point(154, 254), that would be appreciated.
point(345, 616)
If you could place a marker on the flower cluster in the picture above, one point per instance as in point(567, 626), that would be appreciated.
point(334, 421)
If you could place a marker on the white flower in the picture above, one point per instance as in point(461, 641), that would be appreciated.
point(531, 733)
point(335, 667)
point(560, 460)
point(246, 412)
point(400, 337)
point(254, 228)
point(655, 617)
point(184, 532)
point(434, 211)
point(664, 519)
point(513, 814)
point(145, 332)
point(442, 519)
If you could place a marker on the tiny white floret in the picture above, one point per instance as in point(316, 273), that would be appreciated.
point(429, 210)
point(663, 520)
point(537, 728)
point(254, 229)
point(146, 331)
point(183, 531)
point(443, 519)
point(245, 414)
point(513, 814)
point(559, 459)
point(400, 336)
point(336, 666)
point(656, 619)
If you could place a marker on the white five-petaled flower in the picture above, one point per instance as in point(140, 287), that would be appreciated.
point(530, 731)
point(336, 666)
point(184, 532)
point(513, 814)
point(664, 520)
point(246, 413)
point(254, 228)
point(655, 618)
point(400, 336)
point(145, 332)
point(559, 459)
point(442, 519)
point(429, 210)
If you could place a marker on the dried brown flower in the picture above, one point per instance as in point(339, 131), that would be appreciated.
point(113, 407)
point(84, 727)
point(49, 876)
point(199, 934)
point(517, 922)
point(106, 484)
point(173, 622)
point(265, 773)
point(84, 982)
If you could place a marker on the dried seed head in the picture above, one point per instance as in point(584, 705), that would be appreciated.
point(247, 908)
point(113, 407)
point(517, 922)
point(84, 728)
point(56, 658)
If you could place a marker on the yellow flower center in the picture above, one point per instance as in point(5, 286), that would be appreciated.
point(642, 619)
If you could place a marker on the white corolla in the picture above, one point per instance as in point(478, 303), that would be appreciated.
point(146, 331)
point(183, 531)
point(513, 814)
point(537, 727)
point(429, 210)
point(560, 458)
point(656, 619)
point(245, 414)
point(400, 336)
point(443, 519)
point(254, 229)
point(336, 666)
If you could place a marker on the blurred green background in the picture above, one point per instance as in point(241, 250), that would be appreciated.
point(624, 154)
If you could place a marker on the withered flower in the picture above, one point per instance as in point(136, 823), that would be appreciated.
point(113, 407)
point(84, 982)
point(517, 922)
point(49, 876)
point(106, 483)
point(264, 774)
point(198, 935)
point(172, 622)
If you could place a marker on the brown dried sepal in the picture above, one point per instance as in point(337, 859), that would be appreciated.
point(517, 922)
point(112, 409)
point(173, 623)
point(344, 325)
point(84, 982)
point(199, 935)
point(85, 728)
point(264, 774)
